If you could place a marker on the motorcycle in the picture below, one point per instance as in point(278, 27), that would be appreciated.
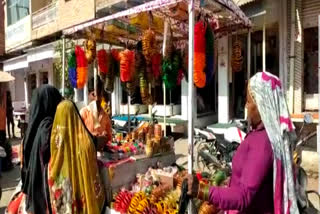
point(304, 203)
point(217, 150)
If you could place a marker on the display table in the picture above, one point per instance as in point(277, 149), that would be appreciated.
point(118, 175)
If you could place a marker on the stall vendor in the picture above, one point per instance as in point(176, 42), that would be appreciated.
point(262, 169)
point(95, 118)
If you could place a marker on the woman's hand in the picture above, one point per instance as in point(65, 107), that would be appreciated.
point(193, 185)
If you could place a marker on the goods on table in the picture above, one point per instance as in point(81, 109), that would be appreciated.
point(146, 139)
point(153, 194)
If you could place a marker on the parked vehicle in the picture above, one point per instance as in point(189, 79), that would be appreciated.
point(305, 205)
point(216, 151)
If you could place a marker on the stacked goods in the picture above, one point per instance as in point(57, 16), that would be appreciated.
point(158, 192)
point(237, 58)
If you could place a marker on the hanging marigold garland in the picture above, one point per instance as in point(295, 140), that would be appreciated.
point(82, 67)
point(199, 63)
point(90, 47)
point(237, 58)
point(209, 55)
point(72, 68)
point(140, 67)
point(149, 45)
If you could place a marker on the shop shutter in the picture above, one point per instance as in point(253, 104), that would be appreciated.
point(310, 12)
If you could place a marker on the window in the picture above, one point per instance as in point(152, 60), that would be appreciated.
point(16, 10)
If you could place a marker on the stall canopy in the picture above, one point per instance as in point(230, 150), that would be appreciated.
point(226, 15)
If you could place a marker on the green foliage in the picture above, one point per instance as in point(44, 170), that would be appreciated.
point(57, 65)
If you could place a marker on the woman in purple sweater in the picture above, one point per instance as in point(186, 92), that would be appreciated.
point(262, 179)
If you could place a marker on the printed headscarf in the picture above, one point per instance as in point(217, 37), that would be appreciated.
point(267, 93)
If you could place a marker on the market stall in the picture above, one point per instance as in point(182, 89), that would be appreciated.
point(162, 34)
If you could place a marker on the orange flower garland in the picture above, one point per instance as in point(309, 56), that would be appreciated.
point(199, 62)
point(126, 65)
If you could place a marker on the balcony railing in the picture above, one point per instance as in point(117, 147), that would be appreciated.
point(44, 15)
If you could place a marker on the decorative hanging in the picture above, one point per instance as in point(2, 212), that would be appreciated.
point(199, 63)
point(156, 63)
point(170, 70)
point(149, 45)
point(209, 55)
point(72, 68)
point(126, 65)
point(90, 47)
point(113, 70)
point(82, 67)
point(237, 57)
point(103, 61)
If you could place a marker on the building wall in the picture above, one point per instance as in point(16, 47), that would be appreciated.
point(2, 47)
point(66, 14)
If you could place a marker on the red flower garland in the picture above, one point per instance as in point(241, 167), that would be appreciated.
point(102, 61)
point(199, 62)
point(82, 67)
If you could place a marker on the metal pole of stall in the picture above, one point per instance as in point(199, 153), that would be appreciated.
point(264, 45)
point(63, 63)
point(129, 121)
point(318, 128)
point(163, 85)
point(190, 91)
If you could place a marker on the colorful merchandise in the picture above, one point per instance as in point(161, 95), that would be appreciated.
point(82, 67)
point(209, 55)
point(199, 76)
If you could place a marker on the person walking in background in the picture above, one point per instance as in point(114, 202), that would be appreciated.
point(3, 107)
point(9, 113)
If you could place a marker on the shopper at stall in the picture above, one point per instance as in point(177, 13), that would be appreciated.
point(262, 174)
point(95, 118)
point(74, 182)
point(36, 148)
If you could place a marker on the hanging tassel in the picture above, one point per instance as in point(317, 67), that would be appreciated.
point(199, 75)
point(126, 65)
point(102, 61)
point(82, 67)
point(209, 55)
point(72, 68)
point(156, 63)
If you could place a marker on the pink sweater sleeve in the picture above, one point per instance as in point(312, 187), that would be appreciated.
point(258, 159)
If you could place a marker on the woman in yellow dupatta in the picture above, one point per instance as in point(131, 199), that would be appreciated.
point(74, 182)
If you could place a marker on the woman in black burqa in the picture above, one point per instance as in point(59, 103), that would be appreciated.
point(36, 149)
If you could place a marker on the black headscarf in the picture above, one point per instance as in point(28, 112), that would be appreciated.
point(36, 147)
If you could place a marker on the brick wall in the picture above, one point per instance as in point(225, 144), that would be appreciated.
point(2, 47)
